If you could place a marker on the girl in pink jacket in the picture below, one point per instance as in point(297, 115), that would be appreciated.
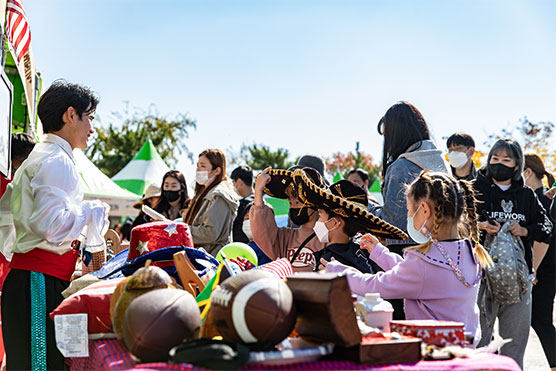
point(438, 279)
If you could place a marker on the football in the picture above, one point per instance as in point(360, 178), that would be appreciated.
point(253, 307)
point(143, 280)
point(159, 320)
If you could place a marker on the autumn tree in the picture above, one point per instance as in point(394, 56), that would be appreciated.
point(344, 162)
point(537, 137)
point(116, 143)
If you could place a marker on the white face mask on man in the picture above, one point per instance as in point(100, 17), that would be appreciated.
point(457, 159)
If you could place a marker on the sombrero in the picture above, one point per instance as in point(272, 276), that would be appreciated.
point(281, 183)
point(343, 199)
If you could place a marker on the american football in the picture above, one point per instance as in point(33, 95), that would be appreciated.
point(253, 307)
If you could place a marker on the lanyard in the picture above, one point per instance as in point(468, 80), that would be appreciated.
point(454, 266)
point(301, 246)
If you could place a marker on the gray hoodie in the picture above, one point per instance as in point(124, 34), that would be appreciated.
point(404, 170)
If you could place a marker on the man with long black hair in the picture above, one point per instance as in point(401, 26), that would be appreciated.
point(49, 214)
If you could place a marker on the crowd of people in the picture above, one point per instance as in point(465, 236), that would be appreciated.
point(425, 248)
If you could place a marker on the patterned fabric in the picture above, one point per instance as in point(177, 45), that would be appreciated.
point(38, 322)
point(111, 355)
point(281, 267)
point(506, 280)
point(98, 260)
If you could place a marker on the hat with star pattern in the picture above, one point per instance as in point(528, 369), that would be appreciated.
point(153, 236)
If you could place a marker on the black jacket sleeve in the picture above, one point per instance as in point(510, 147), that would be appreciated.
point(540, 227)
point(553, 210)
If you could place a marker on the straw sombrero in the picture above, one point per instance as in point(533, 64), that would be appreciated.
point(343, 199)
point(281, 183)
point(152, 191)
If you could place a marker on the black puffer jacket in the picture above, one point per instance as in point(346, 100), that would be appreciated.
point(520, 204)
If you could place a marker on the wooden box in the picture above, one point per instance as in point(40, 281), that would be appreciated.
point(383, 351)
point(325, 308)
point(325, 314)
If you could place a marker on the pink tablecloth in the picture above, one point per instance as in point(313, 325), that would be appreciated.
point(111, 355)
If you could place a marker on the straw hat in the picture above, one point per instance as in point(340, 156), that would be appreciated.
point(152, 191)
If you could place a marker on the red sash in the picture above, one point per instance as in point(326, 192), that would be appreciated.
point(39, 260)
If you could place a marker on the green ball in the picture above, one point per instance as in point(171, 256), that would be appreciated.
point(235, 249)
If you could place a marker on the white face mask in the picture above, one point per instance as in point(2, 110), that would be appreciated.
point(457, 159)
point(202, 177)
point(321, 231)
point(526, 178)
point(246, 228)
point(416, 234)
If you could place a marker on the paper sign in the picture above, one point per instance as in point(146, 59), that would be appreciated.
point(72, 338)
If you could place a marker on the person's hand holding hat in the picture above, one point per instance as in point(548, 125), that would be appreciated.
point(260, 182)
point(368, 242)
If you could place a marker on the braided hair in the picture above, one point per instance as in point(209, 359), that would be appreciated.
point(453, 202)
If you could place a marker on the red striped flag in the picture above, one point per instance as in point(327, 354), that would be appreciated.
point(282, 267)
point(17, 28)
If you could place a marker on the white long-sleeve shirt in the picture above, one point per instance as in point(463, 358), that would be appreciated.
point(47, 207)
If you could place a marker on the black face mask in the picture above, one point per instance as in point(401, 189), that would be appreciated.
point(299, 216)
point(171, 196)
point(500, 172)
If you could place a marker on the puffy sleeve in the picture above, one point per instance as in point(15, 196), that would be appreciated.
point(56, 217)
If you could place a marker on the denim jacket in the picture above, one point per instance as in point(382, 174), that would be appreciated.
point(405, 169)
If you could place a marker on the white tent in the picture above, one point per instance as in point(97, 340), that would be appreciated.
point(97, 186)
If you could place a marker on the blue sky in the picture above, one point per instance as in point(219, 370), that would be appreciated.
point(309, 76)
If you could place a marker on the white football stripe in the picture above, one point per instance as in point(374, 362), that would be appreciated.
point(240, 302)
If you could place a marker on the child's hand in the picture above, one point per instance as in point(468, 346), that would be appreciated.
point(324, 263)
point(368, 242)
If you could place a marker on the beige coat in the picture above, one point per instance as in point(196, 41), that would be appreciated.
point(212, 227)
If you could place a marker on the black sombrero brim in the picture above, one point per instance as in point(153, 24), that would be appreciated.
point(281, 184)
point(313, 195)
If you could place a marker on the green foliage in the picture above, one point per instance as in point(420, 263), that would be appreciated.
point(114, 145)
point(260, 157)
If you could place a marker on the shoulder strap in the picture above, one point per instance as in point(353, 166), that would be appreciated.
point(301, 246)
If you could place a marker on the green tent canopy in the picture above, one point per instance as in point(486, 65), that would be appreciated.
point(280, 206)
point(375, 187)
point(147, 167)
point(337, 177)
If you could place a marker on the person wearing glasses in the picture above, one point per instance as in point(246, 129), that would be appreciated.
point(461, 148)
